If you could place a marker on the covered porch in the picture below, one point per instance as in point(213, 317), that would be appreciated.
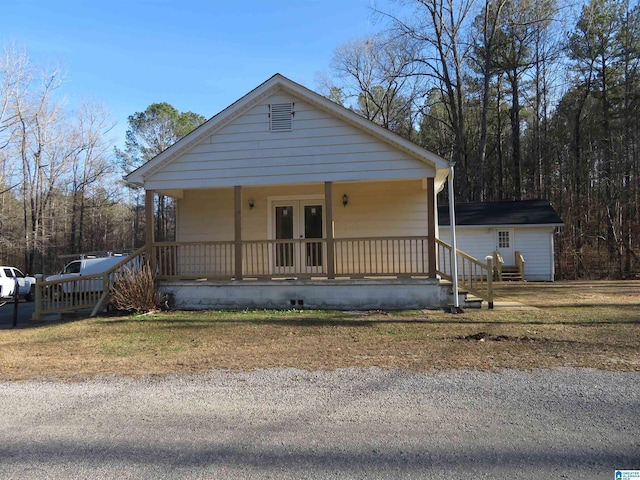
point(295, 232)
point(325, 245)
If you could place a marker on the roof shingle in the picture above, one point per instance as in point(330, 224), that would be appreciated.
point(523, 212)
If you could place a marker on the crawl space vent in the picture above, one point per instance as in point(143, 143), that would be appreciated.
point(281, 117)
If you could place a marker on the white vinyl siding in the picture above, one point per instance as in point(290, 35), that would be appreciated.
point(320, 148)
point(206, 216)
point(375, 209)
point(535, 244)
point(379, 209)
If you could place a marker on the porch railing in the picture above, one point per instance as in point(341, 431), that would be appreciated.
point(306, 258)
point(473, 275)
point(83, 292)
point(300, 258)
point(399, 256)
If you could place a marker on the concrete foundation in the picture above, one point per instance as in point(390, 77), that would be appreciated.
point(366, 294)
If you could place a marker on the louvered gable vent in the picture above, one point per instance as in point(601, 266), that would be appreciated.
point(281, 117)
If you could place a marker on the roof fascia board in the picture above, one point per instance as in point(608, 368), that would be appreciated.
point(508, 225)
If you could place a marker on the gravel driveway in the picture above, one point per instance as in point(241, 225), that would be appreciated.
point(563, 423)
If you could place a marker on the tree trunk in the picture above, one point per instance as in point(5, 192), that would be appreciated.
point(516, 160)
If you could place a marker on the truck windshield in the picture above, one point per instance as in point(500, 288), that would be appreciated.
point(73, 267)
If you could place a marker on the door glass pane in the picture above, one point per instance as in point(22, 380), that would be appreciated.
point(313, 229)
point(313, 221)
point(284, 230)
point(503, 239)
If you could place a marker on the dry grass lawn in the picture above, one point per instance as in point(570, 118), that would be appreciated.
point(583, 324)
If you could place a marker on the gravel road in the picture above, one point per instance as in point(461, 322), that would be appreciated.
point(561, 423)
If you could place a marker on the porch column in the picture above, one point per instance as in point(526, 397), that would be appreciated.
point(431, 227)
point(328, 203)
point(237, 195)
point(150, 228)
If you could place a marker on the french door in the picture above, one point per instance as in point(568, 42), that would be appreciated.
point(298, 227)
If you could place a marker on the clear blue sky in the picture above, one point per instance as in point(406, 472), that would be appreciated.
point(194, 54)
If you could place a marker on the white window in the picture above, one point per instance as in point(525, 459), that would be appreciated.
point(281, 117)
point(503, 239)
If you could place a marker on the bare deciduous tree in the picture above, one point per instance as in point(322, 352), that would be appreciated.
point(377, 75)
point(437, 31)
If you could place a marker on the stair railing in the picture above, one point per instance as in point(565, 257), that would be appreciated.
point(84, 292)
point(473, 275)
point(498, 262)
point(520, 264)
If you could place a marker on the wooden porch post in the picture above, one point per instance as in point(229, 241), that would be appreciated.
point(150, 228)
point(237, 194)
point(431, 227)
point(328, 202)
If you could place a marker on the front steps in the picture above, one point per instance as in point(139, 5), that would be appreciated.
point(511, 274)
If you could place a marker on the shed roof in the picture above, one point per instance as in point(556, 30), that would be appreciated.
point(522, 212)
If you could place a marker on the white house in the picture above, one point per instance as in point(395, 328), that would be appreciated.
point(526, 227)
point(288, 199)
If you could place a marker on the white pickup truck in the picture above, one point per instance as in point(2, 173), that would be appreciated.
point(26, 285)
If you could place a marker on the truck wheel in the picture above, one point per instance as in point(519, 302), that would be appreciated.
point(29, 297)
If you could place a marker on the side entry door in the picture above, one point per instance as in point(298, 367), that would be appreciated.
point(505, 245)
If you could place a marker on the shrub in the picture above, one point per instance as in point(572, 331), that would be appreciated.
point(136, 290)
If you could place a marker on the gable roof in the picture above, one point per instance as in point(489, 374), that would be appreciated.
point(523, 212)
point(279, 83)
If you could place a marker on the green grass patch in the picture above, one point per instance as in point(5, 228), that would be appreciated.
point(601, 332)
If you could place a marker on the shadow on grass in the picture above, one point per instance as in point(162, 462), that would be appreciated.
point(293, 322)
point(344, 321)
point(65, 318)
point(185, 321)
point(581, 305)
point(618, 315)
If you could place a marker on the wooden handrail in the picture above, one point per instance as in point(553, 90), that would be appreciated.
point(520, 264)
point(81, 291)
point(473, 275)
point(498, 262)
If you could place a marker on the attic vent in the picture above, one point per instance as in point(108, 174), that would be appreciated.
point(281, 117)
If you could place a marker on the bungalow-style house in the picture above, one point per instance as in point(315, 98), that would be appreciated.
point(287, 199)
point(518, 232)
